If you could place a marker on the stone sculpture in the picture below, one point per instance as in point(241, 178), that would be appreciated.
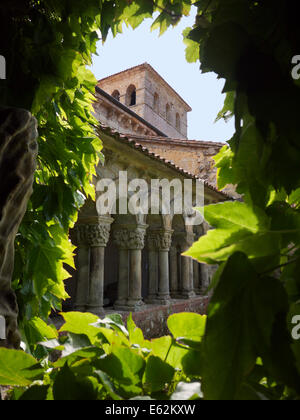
point(18, 152)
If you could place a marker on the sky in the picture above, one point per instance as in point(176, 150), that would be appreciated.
point(166, 54)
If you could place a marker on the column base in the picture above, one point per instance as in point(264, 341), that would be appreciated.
point(96, 310)
point(176, 295)
point(186, 295)
point(198, 292)
point(120, 304)
point(152, 300)
point(164, 300)
point(130, 306)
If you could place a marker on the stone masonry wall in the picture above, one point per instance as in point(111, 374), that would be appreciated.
point(148, 83)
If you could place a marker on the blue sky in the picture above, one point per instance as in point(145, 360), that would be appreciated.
point(167, 55)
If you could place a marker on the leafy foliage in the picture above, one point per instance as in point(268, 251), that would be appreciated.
point(246, 351)
point(100, 361)
point(248, 348)
point(51, 44)
point(48, 46)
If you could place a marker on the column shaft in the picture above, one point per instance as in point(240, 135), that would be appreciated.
point(130, 241)
point(174, 277)
point(164, 283)
point(153, 276)
point(191, 275)
point(205, 277)
point(123, 282)
point(95, 301)
point(135, 280)
point(83, 274)
point(197, 280)
point(186, 275)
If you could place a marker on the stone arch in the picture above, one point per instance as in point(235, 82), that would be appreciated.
point(130, 99)
point(178, 122)
point(116, 95)
point(168, 113)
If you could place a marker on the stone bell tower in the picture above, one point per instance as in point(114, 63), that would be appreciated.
point(147, 94)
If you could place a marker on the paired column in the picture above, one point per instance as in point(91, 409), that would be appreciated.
point(130, 241)
point(159, 243)
point(92, 240)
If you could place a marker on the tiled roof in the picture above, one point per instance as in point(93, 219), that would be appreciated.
point(181, 142)
point(127, 139)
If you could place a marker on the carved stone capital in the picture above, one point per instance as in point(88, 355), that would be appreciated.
point(130, 238)
point(159, 240)
point(94, 235)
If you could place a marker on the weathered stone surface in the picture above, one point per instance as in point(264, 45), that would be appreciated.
point(95, 235)
point(18, 152)
point(156, 102)
point(130, 238)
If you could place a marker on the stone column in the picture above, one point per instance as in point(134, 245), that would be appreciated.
point(174, 274)
point(153, 268)
point(96, 236)
point(192, 286)
point(205, 278)
point(136, 245)
point(159, 243)
point(197, 278)
point(135, 300)
point(83, 267)
point(197, 267)
point(121, 238)
point(165, 241)
point(132, 239)
point(187, 291)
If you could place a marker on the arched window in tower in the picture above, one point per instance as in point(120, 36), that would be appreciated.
point(156, 103)
point(116, 95)
point(131, 96)
point(178, 125)
point(168, 113)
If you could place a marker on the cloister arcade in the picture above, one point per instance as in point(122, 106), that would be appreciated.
point(126, 261)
